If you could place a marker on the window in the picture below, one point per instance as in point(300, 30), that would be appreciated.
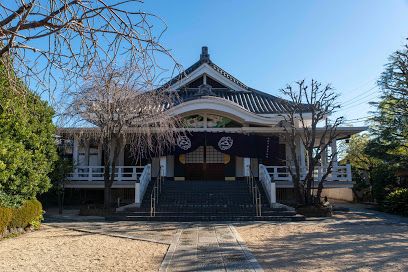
point(197, 156)
point(213, 155)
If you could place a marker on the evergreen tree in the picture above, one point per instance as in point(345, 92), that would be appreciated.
point(373, 177)
point(390, 124)
point(27, 143)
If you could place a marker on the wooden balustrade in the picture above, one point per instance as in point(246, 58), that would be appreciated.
point(340, 173)
point(95, 173)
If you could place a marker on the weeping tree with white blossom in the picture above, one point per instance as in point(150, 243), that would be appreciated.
point(98, 61)
point(125, 111)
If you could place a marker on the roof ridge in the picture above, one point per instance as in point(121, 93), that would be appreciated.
point(249, 98)
point(227, 75)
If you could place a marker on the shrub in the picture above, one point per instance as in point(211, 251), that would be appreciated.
point(10, 201)
point(5, 218)
point(27, 143)
point(29, 214)
point(397, 202)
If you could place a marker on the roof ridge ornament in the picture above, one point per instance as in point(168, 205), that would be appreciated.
point(205, 90)
point(204, 57)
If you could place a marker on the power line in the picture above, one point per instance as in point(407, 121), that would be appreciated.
point(356, 119)
point(359, 102)
point(351, 121)
point(372, 79)
point(364, 94)
point(363, 119)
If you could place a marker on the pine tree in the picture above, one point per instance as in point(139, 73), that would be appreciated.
point(390, 123)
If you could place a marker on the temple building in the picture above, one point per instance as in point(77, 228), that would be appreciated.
point(233, 132)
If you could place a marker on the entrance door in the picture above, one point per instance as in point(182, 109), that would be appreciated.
point(205, 163)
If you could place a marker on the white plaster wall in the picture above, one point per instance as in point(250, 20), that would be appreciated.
point(345, 194)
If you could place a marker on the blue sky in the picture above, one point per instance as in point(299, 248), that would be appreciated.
point(268, 44)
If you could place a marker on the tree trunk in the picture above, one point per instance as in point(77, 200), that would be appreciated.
point(107, 195)
point(111, 180)
point(319, 191)
point(300, 195)
point(110, 165)
point(308, 191)
point(299, 191)
point(106, 179)
point(60, 199)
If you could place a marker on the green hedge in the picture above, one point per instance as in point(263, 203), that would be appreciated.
point(397, 202)
point(5, 218)
point(29, 214)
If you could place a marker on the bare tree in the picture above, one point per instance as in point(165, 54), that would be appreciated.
point(308, 108)
point(73, 47)
point(125, 112)
point(56, 42)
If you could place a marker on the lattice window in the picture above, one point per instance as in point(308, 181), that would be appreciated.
point(197, 156)
point(213, 155)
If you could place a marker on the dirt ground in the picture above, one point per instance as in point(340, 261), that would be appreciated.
point(58, 249)
point(351, 242)
point(355, 241)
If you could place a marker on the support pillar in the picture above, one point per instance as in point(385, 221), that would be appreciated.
point(324, 158)
point(302, 157)
point(333, 147)
point(75, 151)
point(163, 166)
point(75, 156)
point(247, 167)
point(273, 194)
point(100, 159)
point(86, 149)
point(138, 201)
point(334, 150)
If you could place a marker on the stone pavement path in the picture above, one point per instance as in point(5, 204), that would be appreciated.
point(209, 247)
point(193, 246)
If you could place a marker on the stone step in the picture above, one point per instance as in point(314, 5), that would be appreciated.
point(207, 213)
point(206, 201)
point(210, 209)
point(196, 218)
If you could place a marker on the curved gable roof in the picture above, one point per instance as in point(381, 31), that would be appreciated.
point(237, 92)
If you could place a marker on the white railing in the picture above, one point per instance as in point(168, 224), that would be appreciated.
point(280, 173)
point(142, 184)
point(95, 173)
point(339, 173)
point(268, 184)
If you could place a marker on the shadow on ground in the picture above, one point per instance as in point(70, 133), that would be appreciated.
point(356, 241)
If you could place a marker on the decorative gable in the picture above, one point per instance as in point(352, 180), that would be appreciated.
point(204, 78)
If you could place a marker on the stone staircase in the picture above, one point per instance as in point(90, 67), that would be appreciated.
point(186, 201)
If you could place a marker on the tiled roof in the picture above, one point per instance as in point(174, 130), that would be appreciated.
point(195, 66)
point(252, 100)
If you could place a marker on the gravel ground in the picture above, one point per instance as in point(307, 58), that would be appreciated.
point(354, 241)
point(152, 231)
point(58, 249)
point(350, 242)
